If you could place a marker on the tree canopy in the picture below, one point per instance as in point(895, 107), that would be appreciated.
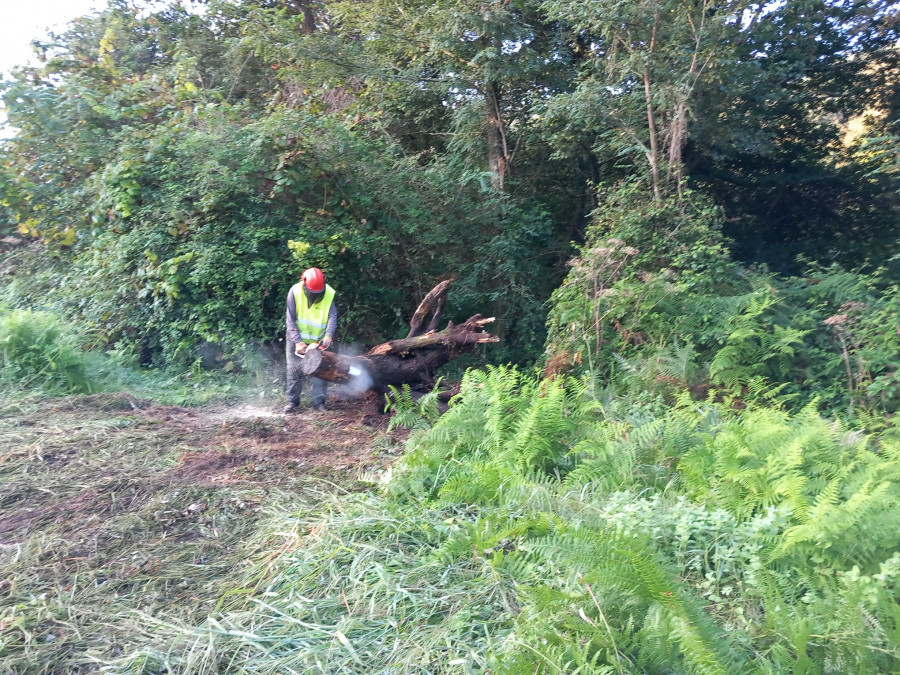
point(176, 167)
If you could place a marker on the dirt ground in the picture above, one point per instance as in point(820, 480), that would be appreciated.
point(109, 504)
point(221, 445)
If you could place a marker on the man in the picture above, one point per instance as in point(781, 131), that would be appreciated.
point(311, 320)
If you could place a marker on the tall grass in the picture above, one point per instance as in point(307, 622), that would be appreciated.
point(36, 353)
point(39, 356)
point(366, 589)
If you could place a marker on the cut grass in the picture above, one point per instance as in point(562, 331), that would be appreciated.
point(358, 587)
point(110, 515)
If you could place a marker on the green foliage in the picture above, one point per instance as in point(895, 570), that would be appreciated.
point(412, 414)
point(653, 303)
point(636, 280)
point(164, 277)
point(761, 497)
point(679, 505)
point(885, 151)
point(166, 159)
point(40, 357)
point(174, 206)
point(643, 70)
point(751, 352)
point(826, 478)
point(810, 192)
point(533, 527)
point(35, 353)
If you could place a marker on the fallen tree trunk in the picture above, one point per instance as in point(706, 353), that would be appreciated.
point(412, 360)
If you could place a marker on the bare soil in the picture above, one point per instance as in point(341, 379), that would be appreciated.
point(251, 444)
point(245, 444)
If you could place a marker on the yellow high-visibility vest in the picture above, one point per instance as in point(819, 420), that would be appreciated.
point(312, 321)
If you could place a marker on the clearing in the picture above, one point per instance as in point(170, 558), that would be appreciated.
point(113, 511)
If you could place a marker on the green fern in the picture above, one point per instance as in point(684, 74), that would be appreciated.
point(833, 490)
point(412, 414)
point(613, 562)
point(755, 350)
point(36, 353)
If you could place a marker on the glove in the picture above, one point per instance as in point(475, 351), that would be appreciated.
point(300, 348)
point(325, 343)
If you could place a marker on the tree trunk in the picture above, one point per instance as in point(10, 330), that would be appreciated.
point(651, 119)
point(498, 150)
point(412, 360)
point(304, 7)
point(653, 157)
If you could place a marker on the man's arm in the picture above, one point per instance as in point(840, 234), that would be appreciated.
point(291, 319)
point(331, 326)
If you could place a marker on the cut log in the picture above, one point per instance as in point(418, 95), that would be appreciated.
point(326, 365)
point(412, 360)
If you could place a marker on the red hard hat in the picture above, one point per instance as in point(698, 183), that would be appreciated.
point(314, 280)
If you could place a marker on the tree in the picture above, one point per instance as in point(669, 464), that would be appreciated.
point(647, 60)
point(776, 155)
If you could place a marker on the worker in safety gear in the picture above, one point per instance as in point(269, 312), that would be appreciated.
point(311, 319)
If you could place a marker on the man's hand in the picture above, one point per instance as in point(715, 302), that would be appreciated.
point(325, 343)
point(300, 348)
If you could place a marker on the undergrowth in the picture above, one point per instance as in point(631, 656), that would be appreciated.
point(654, 299)
point(35, 353)
point(535, 528)
point(41, 358)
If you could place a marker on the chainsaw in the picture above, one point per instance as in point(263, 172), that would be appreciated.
point(311, 345)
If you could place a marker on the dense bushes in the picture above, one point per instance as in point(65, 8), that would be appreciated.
point(220, 211)
point(195, 221)
point(177, 188)
point(165, 158)
point(654, 297)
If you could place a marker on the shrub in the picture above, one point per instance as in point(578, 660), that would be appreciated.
point(653, 303)
point(642, 266)
point(36, 354)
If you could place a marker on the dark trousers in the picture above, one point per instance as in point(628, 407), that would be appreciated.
point(295, 378)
